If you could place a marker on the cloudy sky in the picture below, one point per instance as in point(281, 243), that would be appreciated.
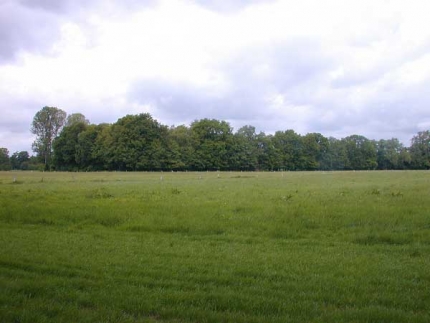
point(338, 67)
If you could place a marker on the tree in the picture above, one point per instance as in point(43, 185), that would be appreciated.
point(388, 155)
point(181, 150)
point(20, 160)
point(404, 159)
point(315, 147)
point(46, 125)
point(76, 118)
point(244, 149)
point(92, 146)
point(361, 152)
point(290, 149)
point(98, 153)
point(66, 145)
point(211, 139)
point(420, 150)
point(137, 142)
point(4, 159)
point(336, 157)
point(268, 156)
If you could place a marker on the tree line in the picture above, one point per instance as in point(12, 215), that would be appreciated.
point(141, 143)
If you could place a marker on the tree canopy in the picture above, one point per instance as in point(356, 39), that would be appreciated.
point(4, 159)
point(141, 143)
point(46, 125)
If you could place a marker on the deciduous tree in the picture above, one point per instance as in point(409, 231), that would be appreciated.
point(66, 147)
point(76, 118)
point(420, 150)
point(211, 140)
point(4, 159)
point(20, 160)
point(136, 141)
point(46, 125)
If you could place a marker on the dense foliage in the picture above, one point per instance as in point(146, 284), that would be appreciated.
point(47, 123)
point(4, 159)
point(141, 143)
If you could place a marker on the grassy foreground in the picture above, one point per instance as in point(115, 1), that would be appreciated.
point(215, 247)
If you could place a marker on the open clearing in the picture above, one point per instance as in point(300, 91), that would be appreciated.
point(215, 247)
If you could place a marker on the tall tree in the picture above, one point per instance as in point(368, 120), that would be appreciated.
point(20, 160)
point(315, 147)
point(66, 146)
point(211, 139)
point(268, 155)
point(361, 152)
point(76, 118)
point(243, 154)
point(404, 158)
point(46, 125)
point(98, 153)
point(388, 155)
point(91, 147)
point(138, 142)
point(4, 159)
point(180, 143)
point(289, 145)
point(336, 157)
point(420, 150)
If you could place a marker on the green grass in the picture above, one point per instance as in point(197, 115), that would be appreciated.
point(215, 247)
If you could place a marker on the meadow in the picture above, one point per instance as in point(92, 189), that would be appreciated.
point(215, 247)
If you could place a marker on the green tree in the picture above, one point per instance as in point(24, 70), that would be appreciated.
point(267, 155)
point(90, 150)
point(4, 159)
point(20, 160)
point(243, 153)
point(288, 145)
point(420, 150)
point(99, 154)
point(405, 159)
point(336, 157)
point(181, 149)
point(76, 118)
point(46, 125)
point(315, 147)
point(66, 147)
point(35, 164)
point(138, 142)
point(388, 154)
point(361, 152)
point(211, 139)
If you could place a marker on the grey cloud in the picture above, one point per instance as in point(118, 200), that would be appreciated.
point(396, 111)
point(253, 75)
point(177, 100)
point(34, 25)
point(289, 64)
point(73, 7)
point(18, 113)
point(175, 104)
point(379, 67)
point(15, 123)
point(226, 6)
point(24, 29)
point(58, 6)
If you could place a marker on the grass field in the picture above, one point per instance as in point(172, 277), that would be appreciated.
point(215, 247)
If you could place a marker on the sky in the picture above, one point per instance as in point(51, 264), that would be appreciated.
point(337, 67)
